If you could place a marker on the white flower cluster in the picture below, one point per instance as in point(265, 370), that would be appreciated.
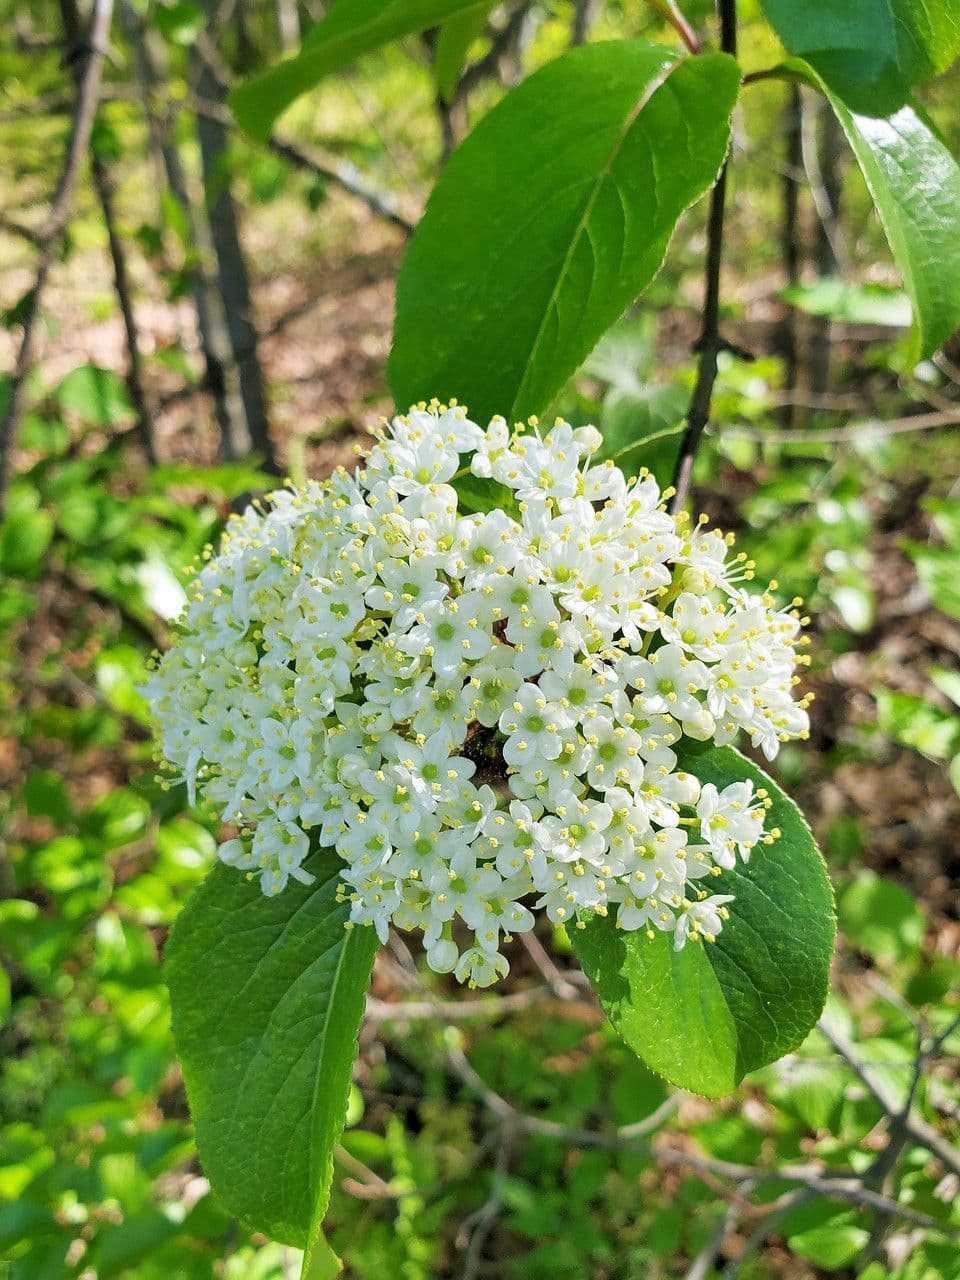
point(481, 711)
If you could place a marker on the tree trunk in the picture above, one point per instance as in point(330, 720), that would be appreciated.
point(791, 242)
point(232, 267)
point(221, 375)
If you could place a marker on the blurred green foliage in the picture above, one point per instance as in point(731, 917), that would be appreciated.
point(98, 1170)
point(98, 1173)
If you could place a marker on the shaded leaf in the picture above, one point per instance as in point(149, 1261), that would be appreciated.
point(872, 52)
point(853, 303)
point(453, 44)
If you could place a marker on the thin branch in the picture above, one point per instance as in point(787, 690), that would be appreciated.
point(138, 395)
point(344, 175)
point(843, 435)
point(491, 1007)
point(584, 14)
point(914, 1126)
point(88, 91)
point(14, 228)
point(558, 984)
point(841, 1186)
point(475, 1230)
point(709, 343)
point(669, 10)
point(340, 172)
point(703, 1263)
point(763, 1229)
point(504, 44)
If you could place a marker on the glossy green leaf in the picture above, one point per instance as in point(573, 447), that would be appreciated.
point(549, 219)
point(870, 52)
point(706, 1015)
point(915, 185)
point(350, 29)
point(453, 44)
point(267, 996)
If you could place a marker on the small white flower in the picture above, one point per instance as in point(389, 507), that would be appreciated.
point(484, 713)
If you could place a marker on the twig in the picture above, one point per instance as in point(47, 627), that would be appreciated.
point(452, 1010)
point(668, 9)
point(584, 13)
point(555, 980)
point(366, 1184)
point(121, 279)
point(14, 228)
point(709, 344)
point(703, 1263)
point(841, 435)
point(340, 172)
point(504, 43)
point(104, 190)
point(841, 1186)
point(477, 1227)
point(88, 90)
point(763, 1229)
point(344, 175)
point(914, 1126)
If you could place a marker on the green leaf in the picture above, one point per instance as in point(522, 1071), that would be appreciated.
point(97, 396)
point(881, 917)
point(553, 214)
point(350, 29)
point(267, 996)
point(853, 303)
point(641, 420)
point(916, 723)
point(636, 426)
point(475, 495)
point(915, 185)
point(871, 52)
point(937, 571)
point(24, 539)
point(706, 1015)
point(181, 21)
point(945, 513)
point(453, 44)
point(833, 1245)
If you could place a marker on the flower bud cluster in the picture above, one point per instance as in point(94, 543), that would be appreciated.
point(482, 711)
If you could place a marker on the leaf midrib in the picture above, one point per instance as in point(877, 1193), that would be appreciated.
point(582, 223)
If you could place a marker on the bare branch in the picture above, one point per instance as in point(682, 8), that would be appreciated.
point(709, 343)
point(14, 228)
point(844, 435)
point(51, 235)
point(914, 1126)
point(703, 1263)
